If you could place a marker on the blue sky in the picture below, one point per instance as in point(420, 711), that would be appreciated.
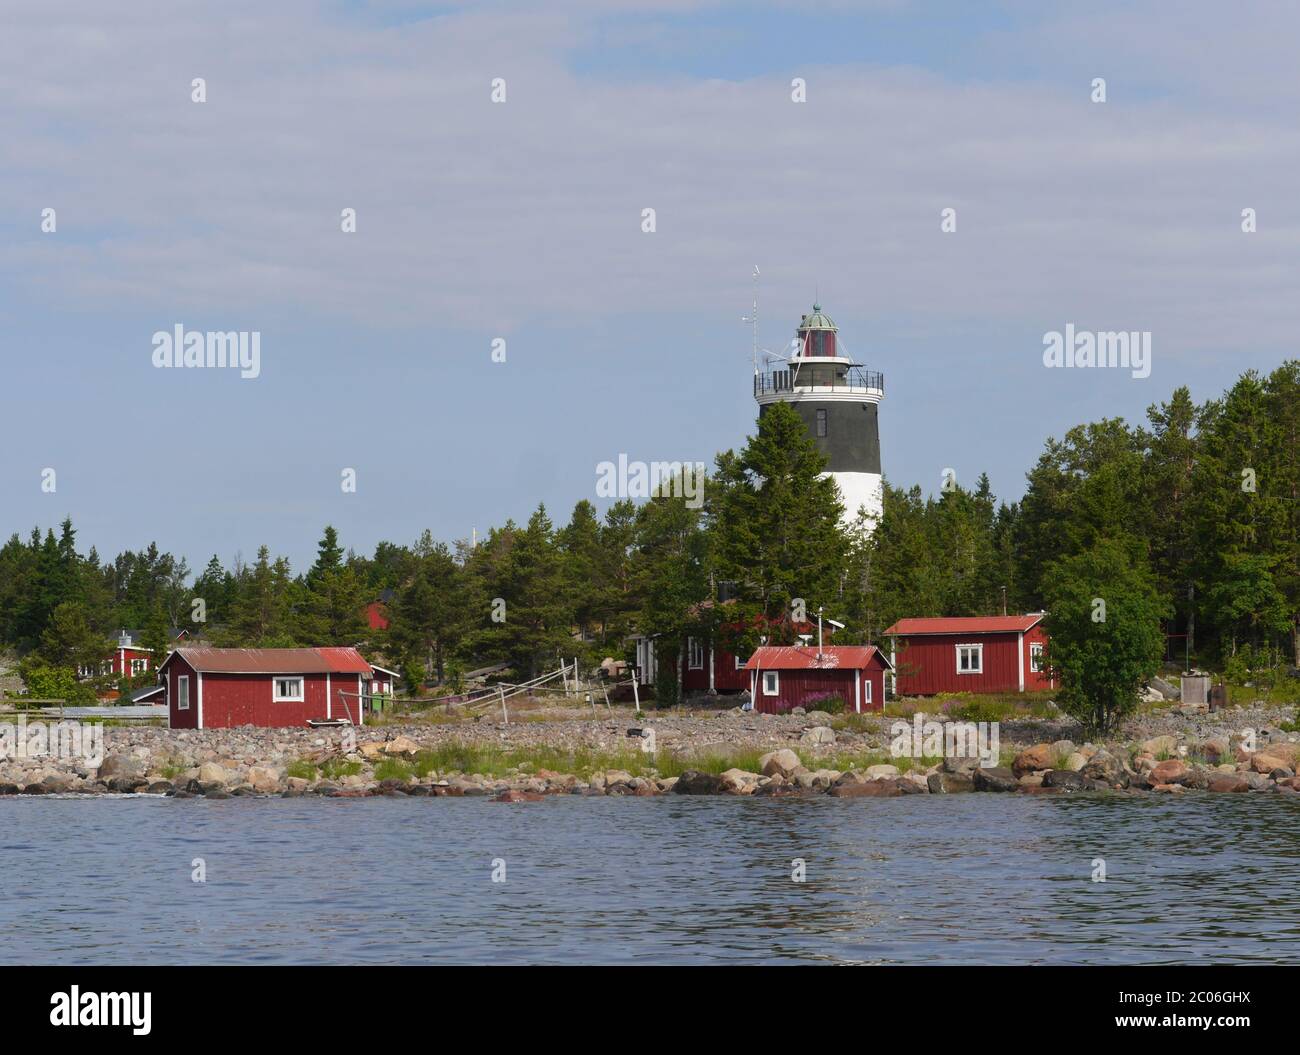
point(522, 220)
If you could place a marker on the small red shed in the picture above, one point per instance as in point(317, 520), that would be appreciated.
point(995, 653)
point(218, 688)
point(783, 677)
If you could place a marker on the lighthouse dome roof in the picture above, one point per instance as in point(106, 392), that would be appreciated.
point(818, 320)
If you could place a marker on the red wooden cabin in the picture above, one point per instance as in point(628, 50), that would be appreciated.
point(995, 653)
point(783, 677)
point(218, 688)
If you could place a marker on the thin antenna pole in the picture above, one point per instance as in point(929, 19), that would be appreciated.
point(752, 319)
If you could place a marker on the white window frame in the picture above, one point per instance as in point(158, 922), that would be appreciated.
point(978, 649)
point(1036, 651)
point(775, 689)
point(144, 667)
point(694, 654)
point(740, 663)
point(276, 696)
point(866, 690)
point(182, 692)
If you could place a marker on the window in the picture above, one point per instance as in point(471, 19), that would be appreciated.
point(139, 666)
point(771, 683)
point(741, 661)
point(866, 690)
point(970, 659)
point(1036, 657)
point(183, 692)
point(694, 654)
point(821, 423)
point(288, 690)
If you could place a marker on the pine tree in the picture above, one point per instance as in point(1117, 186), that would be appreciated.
point(777, 532)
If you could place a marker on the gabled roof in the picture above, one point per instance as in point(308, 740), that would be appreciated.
point(805, 657)
point(274, 660)
point(978, 624)
point(145, 692)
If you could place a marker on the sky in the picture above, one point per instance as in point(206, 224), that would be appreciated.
point(522, 221)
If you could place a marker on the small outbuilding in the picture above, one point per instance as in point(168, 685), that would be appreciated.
point(783, 677)
point(218, 688)
point(994, 653)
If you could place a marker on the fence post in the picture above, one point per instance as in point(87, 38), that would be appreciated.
point(505, 716)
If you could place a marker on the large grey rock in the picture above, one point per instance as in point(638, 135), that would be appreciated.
point(783, 761)
point(995, 778)
point(121, 764)
point(818, 734)
point(693, 782)
point(942, 783)
point(1062, 778)
point(1105, 767)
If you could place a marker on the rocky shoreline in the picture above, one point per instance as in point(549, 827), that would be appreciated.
point(1240, 750)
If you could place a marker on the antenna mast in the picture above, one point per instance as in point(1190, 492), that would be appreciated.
point(752, 319)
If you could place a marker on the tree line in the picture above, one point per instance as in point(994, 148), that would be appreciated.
point(1190, 520)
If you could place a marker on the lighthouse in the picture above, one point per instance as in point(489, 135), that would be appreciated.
point(838, 400)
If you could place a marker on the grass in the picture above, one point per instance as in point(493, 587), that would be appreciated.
point(302, 769)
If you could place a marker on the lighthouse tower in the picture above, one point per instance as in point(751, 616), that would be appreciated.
point(838, 400)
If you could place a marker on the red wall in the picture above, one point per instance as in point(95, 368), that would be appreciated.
point(175, 718)
point(246, 699)
point(927, 664)
point(122, 660)
point(797, 685)
point(726, 678)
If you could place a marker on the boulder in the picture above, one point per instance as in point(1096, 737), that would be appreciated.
point(1261, 762)
point(519, 796)
point(1169, 788)
point(1215, 750)
point(1105, 767)
point(371, 750)
point(1063, 748)
point(1032, 759)
point(995, 778)
point(739, 782)
point(1062, 778)
point(1160, 745)
point(211, 773)
point(880, 772)
point(693, 782)
point(402, 745)
point(869, 789)
point(818, 734)
point(942, 783)
point(264, 778)
point(120, 764)
point(783, 761)
point(1075, 761)
point(1227, 782)
point(1173, 771)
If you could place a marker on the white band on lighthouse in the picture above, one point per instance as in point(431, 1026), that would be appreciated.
point(860, 491)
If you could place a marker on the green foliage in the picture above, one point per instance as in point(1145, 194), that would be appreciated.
point(1102, 663)
point(775, 527)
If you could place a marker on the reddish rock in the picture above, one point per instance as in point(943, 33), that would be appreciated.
point(1172, 771)
point(519, 796)
point(1227, 782)
point(1032, 759)
point(870, 789)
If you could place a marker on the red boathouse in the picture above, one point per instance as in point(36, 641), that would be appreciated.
point(995, 653)
point(218, 688)
point(783, 677)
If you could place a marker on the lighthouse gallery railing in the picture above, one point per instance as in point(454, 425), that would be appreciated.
point(856, 378)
